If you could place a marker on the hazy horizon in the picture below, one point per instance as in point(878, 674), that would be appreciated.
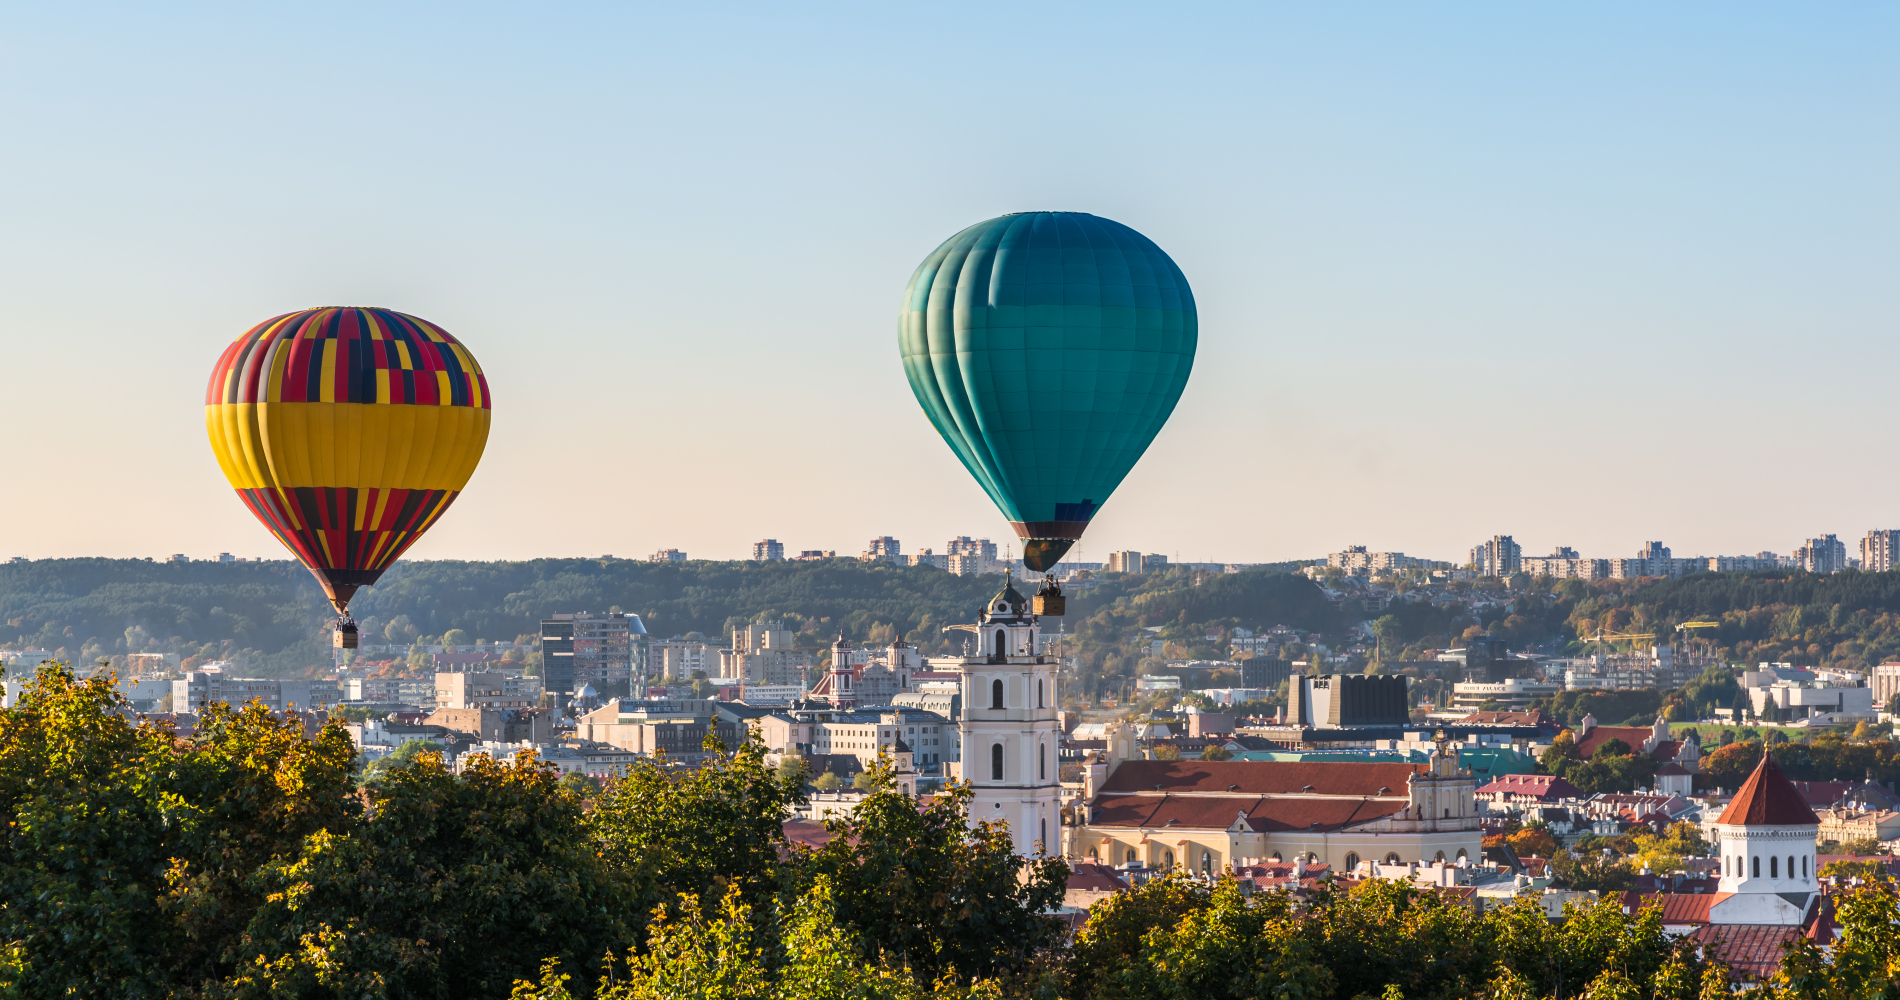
point(1584, 276)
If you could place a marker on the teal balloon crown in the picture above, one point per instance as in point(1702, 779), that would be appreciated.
point(1048, 348)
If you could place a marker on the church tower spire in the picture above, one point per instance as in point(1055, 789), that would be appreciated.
point(1009, 726)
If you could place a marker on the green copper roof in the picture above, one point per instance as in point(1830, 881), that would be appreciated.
point(1048, 348)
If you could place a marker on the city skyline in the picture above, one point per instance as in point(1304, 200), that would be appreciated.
point(1457, 270)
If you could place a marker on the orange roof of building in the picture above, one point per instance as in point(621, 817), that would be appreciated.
point(1218, 812)
point(1768, 798)
point(1684, 907)
point(1092, 877)
point(1547, 787)
point(1635, 736)
point(1751, 951)
point(1262, 777)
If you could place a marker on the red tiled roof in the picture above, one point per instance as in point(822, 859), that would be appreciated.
point(1162, 812)
point(1822, 793)
point(1094, 877)
point(1682, 907)
point(1768, 798)
point(806, 832)
point(1546, 787)
point(1819, 925)
point(1672, 768)
point(1280, 870)
point(1750, 950)
point(1535, 717)
point(1635, 736)
point(1261, 777)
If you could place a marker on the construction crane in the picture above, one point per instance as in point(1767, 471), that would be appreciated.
point(1603, 636)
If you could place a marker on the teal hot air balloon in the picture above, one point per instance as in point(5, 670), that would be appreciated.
point(1048, 348)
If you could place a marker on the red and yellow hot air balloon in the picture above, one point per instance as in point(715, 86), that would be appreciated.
point(347, 431)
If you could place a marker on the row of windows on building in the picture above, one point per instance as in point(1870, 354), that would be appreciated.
point(1732, 866)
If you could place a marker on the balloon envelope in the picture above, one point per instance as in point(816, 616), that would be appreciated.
point(348, 432)
point(1048, 348)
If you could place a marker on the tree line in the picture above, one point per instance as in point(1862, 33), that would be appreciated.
point(271, 618)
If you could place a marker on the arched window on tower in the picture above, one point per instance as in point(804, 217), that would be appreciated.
point(1039, 694)
point(1002, 643)
point(1755, 866)
point(1774, 867)
point(996, 759)
point(996, 694)
point(1042, 761)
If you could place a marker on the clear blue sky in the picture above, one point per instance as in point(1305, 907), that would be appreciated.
point(1585, 274)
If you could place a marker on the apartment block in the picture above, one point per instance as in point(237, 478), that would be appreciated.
point(1824, 554)
point(480, 691)
point(199, 688)
point(586, 648)
point(676, 659)
point(1880, 551)
point(1500, 556)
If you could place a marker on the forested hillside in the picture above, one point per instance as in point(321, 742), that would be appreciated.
point(1849, 619)
point(271, 617)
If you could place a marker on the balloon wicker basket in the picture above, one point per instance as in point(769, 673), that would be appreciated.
point(345, 636)
point(1049, 601)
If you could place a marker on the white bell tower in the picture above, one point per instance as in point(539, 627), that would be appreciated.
point(1009, 729)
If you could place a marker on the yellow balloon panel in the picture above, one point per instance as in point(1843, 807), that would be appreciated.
point(356, 445)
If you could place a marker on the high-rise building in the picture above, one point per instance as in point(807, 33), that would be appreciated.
point(966, 556)
point(1652, 560)
point(587, 648)
point(1825, 554)
point(1498, 557)
point(677, 659)
point(1153, 562)
point(1880, 551)
point(886, 548)
point(769, 550)
point(1125, 561)
point(1562, 567)
point(760, 636)
point(964, 545)
point(1356, 561)
point(667, 555)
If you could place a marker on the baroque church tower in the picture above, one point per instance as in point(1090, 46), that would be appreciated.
point(1009, 729)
